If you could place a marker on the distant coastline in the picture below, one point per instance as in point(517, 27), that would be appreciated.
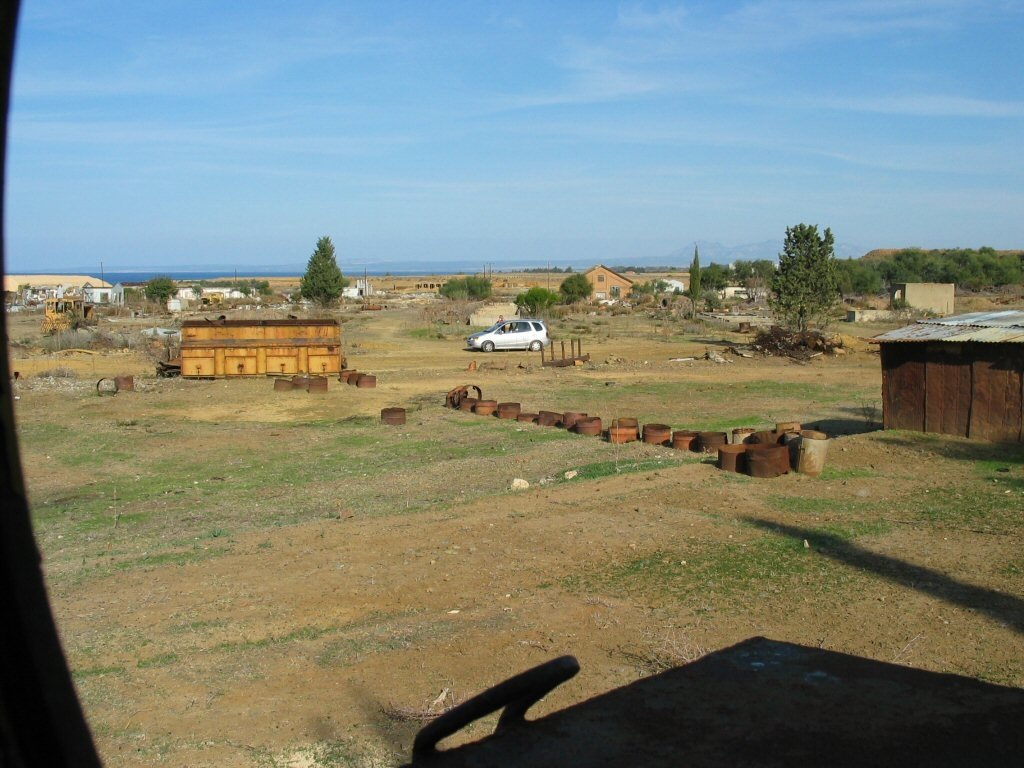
point(185, 276)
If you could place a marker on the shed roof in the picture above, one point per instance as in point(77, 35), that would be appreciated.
point(1002, 327)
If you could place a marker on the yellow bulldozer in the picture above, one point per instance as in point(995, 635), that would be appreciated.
point(66, 313)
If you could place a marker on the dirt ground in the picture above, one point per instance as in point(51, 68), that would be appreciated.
point(244, 577)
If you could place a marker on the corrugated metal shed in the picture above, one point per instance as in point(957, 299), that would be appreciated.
point(961, 375)
point(1003, 327)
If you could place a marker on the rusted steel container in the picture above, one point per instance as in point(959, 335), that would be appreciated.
point(508, 410)
point(732, 458)
point(710, 442)
point(317, 385)
point(300, 382)
point(527, 418)
point(591, 425)
point(742, 435)
point(812, 451)
point(392, 416)
point(549, 418)
point(788, 426)
point(627, 427)
point(228, 348)
point(569, 418)
point(283, 385)
point(767, 459)
point(353, 378)
point(765, 437)
point(366, 381)
point(344, 375)
point(485, 407)
point(657, 434)
point(124, 383)
point(684, 440)
point(467, 403)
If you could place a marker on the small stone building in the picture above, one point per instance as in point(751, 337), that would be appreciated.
point(961, 375)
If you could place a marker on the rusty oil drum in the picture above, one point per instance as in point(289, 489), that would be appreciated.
point(685, 440)
point(710, 442)
point(393, 416)
point(508, 410)
point(124, 383)
point(549, 418)
point(366, 381)
point(569, 418)
point(345, 373)
point(485, 407)
point(591, 425)
point(317, 385)
point(528, 418)
point(467, 403)
point(742, 434)
point(624, 430)
point(732, 458)
point(283, 385)
point(767, 459)
point(657, 434)
point(353, 378)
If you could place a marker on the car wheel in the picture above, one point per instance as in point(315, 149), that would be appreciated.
point(535, 346)
point(487, 346)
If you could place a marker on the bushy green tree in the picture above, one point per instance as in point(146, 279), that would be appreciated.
point(714, 277)
point(805, 288)
point(467, 288)
point(160, 288)
point(575, 288)
point(536, 300)
point(323, 282)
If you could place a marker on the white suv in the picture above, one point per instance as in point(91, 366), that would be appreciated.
point(511, 334)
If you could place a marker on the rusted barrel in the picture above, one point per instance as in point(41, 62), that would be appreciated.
point(569, 418)
point(742, 435)
point(353, 378)
point(627, 428)
point(317, 385)
point(485, 407)
point(788, 426)
point(731, 458)
point(657, 434)
point(765, 437)
point(549, 418)
point(283, 385)
point(467, 403)
point(767, 459)
point(300, 382)
point(710, 442)
point(812, 452)
point(124, 383)
point(345, 373)
point(591, 425)
point(392, 416)
point(528, 418)
point(366, 381)
point(684, 440)
point(508, 410)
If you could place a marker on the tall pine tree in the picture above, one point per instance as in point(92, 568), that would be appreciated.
point(805, 288)
point(323, 280)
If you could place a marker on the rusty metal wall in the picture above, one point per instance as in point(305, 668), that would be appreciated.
point(970, 390)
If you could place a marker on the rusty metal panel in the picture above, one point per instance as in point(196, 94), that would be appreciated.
point(947, 390)
point(903, 386)
point(996, 407)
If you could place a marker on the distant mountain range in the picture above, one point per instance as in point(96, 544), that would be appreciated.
point(717, 253)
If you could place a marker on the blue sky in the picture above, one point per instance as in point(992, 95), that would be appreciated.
point(187, 134)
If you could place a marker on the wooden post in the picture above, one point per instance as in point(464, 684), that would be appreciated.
point(563, 349)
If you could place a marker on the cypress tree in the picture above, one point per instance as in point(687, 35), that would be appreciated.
point(695, 289)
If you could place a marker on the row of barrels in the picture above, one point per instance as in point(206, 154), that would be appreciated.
point(758, 453)
point(318, 384)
